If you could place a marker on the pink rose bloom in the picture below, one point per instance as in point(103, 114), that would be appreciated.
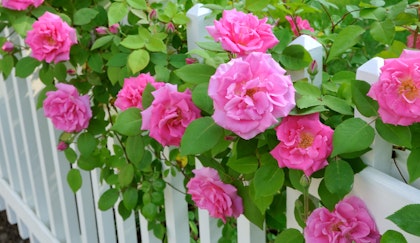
point(209, 192)
point(242, 33)
point(51, 39)
point(132, 91)
point(8, 46)
point(169, 115)
point(21, 4)
point(67, 110)
point(249, 94)
point(349, 222)
point(299, 24)
point(410, 41)
point(305, 143)
point(398, 89)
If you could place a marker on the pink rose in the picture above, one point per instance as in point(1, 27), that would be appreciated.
point(131, 93)
point(299, 24)
point(410, 41)
point(398, 89)
point(249, 94)
point(209, 192)
point(305, 143)
point(169, 115)
point(242, 33)
point(21, 4)
point(349, 222)
point(51, 39)
point(67, 110)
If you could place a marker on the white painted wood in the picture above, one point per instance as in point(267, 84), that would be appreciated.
point(315, 49)
point(380, 155)
point(146, 235)
point(176, 208)
point(126, 229)
point(196, 29)
point(249, 232)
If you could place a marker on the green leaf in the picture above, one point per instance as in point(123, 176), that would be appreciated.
point(84, 16)
point(7, 65)
point(96, 63)
point(295, 177)
point(365, 105)
point(128, 122)
point(108, 199)
point(346, 39)
point(135, 148)
point(306, 89)
point(408, 219)
point(74, 179)
point(138, 60)
point(329, 200)
point(201, 98)
point(86, 143)
point(180, 19)
point(116, 12)
point(339, 177)
point(383, 31)
point(133, 42)
point(60, 71)
point(200, 136)
point(352, 135)
point(262, 203)
point(126, 175)
point(123, 211)
point(156, 45)
point(130, 198)
point(398, 135)
point(137, 4)
point(26, 66)
point(71, 155)
point(100, 42)
point(118, 60)
point(290, 236)
point(147, 97)
point(251, 211)
point(245, 165)
point(392, 236)
point(195, 73)
point(22, 24)
point(295, 57)
point(268, 180)
point(337, 104)
point(253, 5)
point(149, 211)
point(413, 165)
point(307, 101)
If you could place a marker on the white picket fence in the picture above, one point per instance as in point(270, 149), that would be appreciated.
point(35, 194)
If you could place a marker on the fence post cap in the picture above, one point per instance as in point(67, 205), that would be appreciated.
point(370, 70)
point(307, 41)
point(198, 10)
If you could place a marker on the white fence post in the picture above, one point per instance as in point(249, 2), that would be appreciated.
point(196, 28)
point(380, 155)
point(316, 50)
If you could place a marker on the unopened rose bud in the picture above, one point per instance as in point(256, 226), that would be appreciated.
point(114, 28)
point(190, 60)
point(170, 27)
point(71, 71)
point(305, 181)
point(101, 30)
point(8, 46)
point(152, 14)
point(313, 68)
point(62, 146)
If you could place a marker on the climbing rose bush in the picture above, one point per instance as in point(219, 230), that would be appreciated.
point(132, 91)
point(21, 4)
point(242, 33)
point(51, 39)
point(398, 89)
point(67, 109)
point(210, 193)
point(349, 222)
point(249, 94)
point(169, 115)
point(305, 143)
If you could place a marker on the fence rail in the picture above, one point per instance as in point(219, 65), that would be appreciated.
point(35, 194)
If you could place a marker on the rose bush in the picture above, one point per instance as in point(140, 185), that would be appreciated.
point(121, 71)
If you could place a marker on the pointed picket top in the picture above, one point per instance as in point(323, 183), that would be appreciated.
point(196, 28)
point(315, 49)
point(371, 70)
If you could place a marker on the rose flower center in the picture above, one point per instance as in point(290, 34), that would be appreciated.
point(408, 89)
point(306, 140)
point(251, 92)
